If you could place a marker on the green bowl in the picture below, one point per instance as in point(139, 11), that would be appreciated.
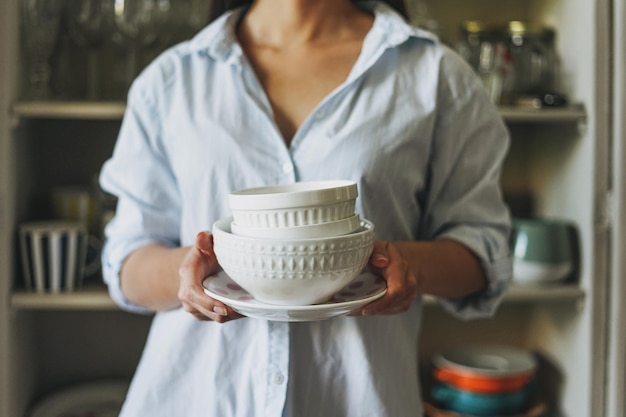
point(547, 241)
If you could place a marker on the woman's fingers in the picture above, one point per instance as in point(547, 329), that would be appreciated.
point(202, 307)
point(401, 282)
point(199, 263)
point(380, 254)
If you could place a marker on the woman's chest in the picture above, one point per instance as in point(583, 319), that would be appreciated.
point(297, 81)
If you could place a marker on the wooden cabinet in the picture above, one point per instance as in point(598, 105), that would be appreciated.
point(560, 156)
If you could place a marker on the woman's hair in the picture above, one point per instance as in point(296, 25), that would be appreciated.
point(220, 6)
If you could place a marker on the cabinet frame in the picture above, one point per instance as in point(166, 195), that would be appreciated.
point(11, 403)
point(616, 346)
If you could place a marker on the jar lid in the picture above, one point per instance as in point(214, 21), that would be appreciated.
point(480, 29)
point(522, 28)
point(473, 26)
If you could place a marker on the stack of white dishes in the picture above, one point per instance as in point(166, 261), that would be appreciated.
point(294, 252)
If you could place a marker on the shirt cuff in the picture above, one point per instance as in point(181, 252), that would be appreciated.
point(484, 303)
point(112, 260)
point(498, 268)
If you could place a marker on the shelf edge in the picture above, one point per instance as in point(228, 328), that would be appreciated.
point(88, 299)
point(98, 299)
point(534, 294)
point(573, 113)
point(115, 111)
point(69, 110)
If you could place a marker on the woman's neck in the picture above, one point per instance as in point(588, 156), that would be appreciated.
point(292, 23)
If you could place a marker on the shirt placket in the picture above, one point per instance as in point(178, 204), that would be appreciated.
point(277, 368)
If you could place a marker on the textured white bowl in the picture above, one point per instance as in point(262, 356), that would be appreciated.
point(293, 205)
point(328, 229)
point(292, 271)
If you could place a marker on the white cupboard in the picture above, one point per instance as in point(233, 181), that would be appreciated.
point(562, 157)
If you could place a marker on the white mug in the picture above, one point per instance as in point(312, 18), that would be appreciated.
point(55, 254)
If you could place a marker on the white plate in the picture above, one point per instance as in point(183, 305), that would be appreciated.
point(93, 399)
point(364, 289)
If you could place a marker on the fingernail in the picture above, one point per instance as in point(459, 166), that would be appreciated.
point(380, 257)
point(366, 312)
point(220, 310)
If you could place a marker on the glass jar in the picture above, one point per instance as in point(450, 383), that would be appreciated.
point(476, 44)
point(485, 49)
point(533, 57)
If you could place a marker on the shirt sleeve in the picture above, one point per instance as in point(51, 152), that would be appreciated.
point(140, 176)
point(465, 201)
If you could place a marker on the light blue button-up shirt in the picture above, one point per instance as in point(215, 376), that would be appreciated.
point(411, 125)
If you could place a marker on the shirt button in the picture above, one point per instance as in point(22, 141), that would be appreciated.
point(287, 167)
point(278, 378)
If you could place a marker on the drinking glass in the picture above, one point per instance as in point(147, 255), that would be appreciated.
point(170, 15)
point(136, 25)
point(40, 21)
point(180, 20)
point(91, 26)
point(197, 17)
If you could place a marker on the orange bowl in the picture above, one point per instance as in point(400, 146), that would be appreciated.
point(485, 368)
point(480, 383)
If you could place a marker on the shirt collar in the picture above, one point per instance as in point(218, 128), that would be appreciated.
point(219, 39)
point(390, 27)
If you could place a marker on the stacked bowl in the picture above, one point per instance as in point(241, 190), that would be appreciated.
point(294, 244)
point(483, 380)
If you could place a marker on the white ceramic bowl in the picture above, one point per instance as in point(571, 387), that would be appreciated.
point(292, 271)
point(487, 360)
point(293, 205)
point(540, 273)
point(328, 229)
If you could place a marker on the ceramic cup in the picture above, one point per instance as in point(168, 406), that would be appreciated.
point(544, 250)
point(76, 204)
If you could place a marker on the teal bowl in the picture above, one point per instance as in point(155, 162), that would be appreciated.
point(480, 405)
point(544, 250)
point(543, 240)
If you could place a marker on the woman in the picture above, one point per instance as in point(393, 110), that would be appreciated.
point(279, 91)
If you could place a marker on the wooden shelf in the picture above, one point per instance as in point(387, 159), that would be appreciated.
point(93, 297)
point(115, 111)
point(536, 294)
point(569, 114)
point(69, 110)
point(96, 298)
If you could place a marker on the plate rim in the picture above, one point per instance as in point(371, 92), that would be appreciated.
point(251, 304)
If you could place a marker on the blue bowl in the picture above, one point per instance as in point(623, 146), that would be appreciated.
point(466, 402)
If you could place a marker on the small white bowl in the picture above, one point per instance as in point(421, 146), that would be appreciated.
point(293, 205)
point(328, 229)
point(292, 271)
point(487, 360)
point(540, 273)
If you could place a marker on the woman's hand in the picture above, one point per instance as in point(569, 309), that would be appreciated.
point(402, 284)
point(199, 263)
